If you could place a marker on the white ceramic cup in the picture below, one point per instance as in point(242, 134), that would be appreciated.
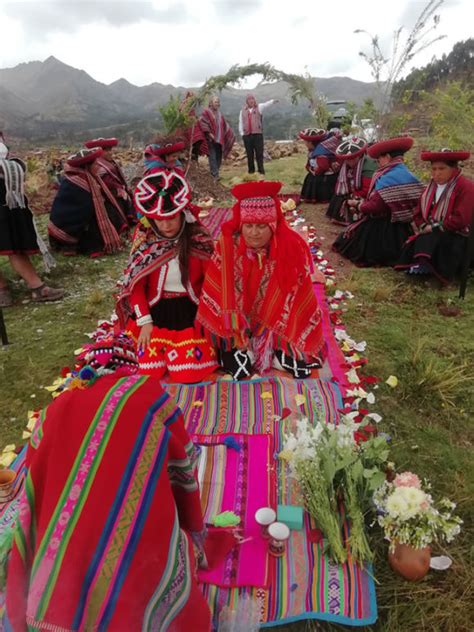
point(279, 534)
point(264, 517)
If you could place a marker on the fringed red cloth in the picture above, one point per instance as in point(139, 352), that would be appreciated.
point(94, 185)
point(261, 300)
point(107, 516)
point(454, 208)
point(219, 128)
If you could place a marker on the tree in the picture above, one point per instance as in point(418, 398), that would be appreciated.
point(386, 69)
point(458, 65)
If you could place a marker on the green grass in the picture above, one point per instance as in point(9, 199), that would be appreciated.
point(428, 414)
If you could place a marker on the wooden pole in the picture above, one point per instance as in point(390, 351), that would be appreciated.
point(468, 256)
point(3, 329)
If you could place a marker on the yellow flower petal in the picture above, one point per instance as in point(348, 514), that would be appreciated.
point(266, 395)
point(392, 381)
point(9, 448)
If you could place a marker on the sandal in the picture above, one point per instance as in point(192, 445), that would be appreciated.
point(45, 294)
point(6, 299)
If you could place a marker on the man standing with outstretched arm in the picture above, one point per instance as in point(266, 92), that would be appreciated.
point(251, 130)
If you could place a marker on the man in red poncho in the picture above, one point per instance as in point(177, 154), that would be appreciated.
point(219, 135)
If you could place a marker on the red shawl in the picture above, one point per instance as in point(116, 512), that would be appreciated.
point(261, 300)
point(440, 210)
point(110, 171)
point(93, 184)
point(350, 178)
point(150, 252)
point(219, 128)
point(110, 501)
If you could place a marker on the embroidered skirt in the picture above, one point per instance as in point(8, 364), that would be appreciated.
point(176, 349)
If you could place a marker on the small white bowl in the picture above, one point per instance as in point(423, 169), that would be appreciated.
point(265, 516)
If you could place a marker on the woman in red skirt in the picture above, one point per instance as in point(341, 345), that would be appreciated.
point(162, 282)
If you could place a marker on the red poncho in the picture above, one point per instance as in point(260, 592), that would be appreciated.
point(101, 541)
point(264, 300)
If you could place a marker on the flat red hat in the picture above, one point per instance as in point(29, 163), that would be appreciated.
point(445, 155)
point(312, 134)
point(154, 149)
point(399, 143)
point(104, 143)
point(351, 148)
point(84, 157)
point(257, 188)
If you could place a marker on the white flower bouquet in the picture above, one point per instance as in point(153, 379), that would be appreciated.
point(329, 465)
point(408, 514)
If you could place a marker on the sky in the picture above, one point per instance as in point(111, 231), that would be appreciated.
point(183, 42)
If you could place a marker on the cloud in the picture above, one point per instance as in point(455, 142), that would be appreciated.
point(42, 18)
point(233, 9)
point(197, 68)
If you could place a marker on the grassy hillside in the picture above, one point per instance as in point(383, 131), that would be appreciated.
point(408, 334)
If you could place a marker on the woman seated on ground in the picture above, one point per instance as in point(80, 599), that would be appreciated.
point(258, 304)
point(108, 516)
point(85, 217)
point(165, 153)
point(353, 179)
point(162, 282)
point(18, 235)
point(385, 216)
point(442, 221)
point(322, 167)
point(111, 173)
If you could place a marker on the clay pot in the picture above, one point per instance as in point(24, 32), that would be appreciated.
point(7, 479)
point(412, 564)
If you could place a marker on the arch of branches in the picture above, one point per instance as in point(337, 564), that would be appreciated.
point(176, 114)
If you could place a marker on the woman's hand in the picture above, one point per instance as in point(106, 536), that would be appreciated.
point(144, 338)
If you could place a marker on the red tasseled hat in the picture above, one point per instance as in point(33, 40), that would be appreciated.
point(399, 143)
point(104, 143)
point(162, 194)
point(351, 148)
point(258, 202)
point(84, 157)
point(312, 134)
point(445, 155)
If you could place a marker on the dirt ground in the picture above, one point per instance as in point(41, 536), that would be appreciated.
point(327, 233)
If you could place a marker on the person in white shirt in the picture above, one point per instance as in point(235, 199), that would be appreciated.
point(251, 130)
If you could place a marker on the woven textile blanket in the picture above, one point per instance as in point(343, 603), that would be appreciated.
point(237, 479)
point(303, 584)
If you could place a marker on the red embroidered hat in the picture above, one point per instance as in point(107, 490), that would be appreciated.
point(162, 194)
point(444, 155)
point(258, 202)
point(104, 143)
point(155, 150)
point(84, 157)
point(312, 134)
point(399, 143)
point(351, 148)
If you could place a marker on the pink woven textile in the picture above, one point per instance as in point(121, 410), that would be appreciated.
point(238, 481)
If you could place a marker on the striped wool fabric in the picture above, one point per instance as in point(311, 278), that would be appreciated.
point(303, 584)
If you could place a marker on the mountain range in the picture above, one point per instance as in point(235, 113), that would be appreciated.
point(49, 100)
